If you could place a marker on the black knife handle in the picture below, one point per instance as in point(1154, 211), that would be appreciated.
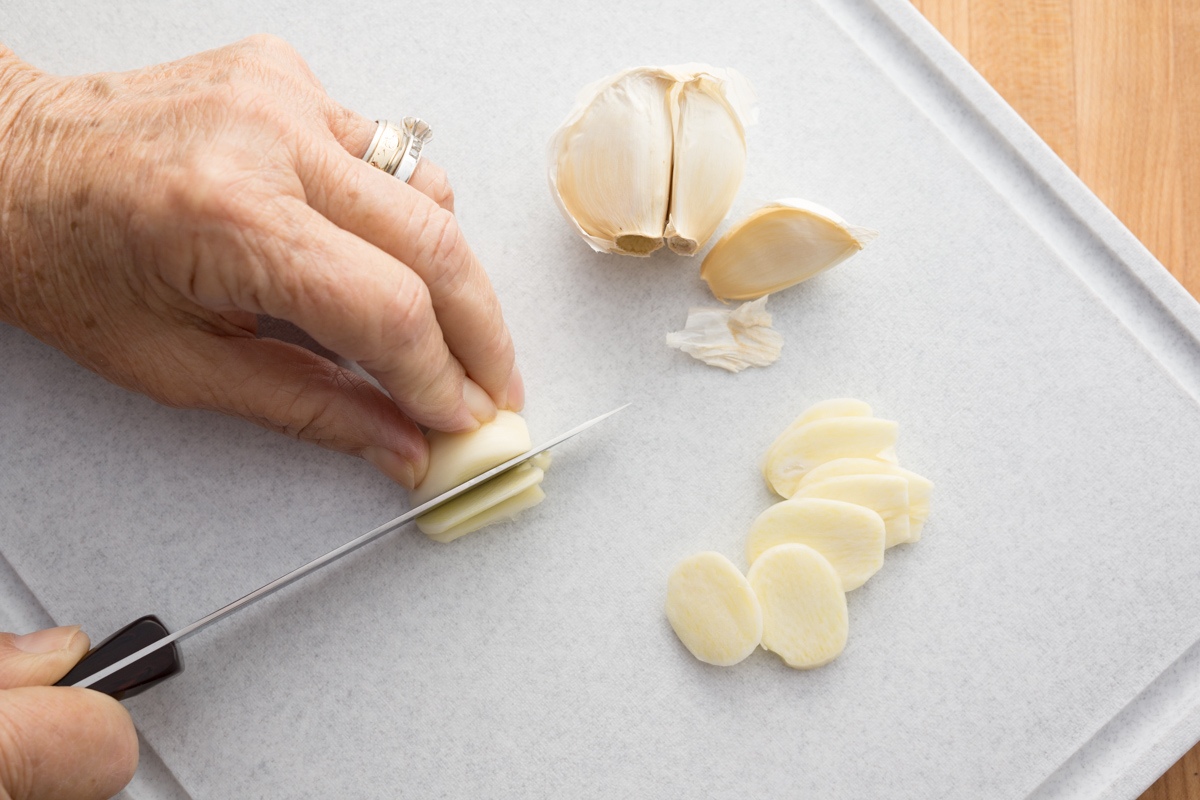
point(139, 676)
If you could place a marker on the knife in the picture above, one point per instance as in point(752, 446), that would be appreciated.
point(144, 653)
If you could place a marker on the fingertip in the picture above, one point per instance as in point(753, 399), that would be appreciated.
point(479, 402)
point(394, 466)
point(515, 394)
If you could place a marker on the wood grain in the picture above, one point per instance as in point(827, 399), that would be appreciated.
point(1114, 87)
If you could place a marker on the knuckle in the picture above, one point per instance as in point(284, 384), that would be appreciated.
point(403, 322)
point(440, 190)
point(443, 246)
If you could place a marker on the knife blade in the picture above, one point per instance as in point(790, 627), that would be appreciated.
point(131, 660)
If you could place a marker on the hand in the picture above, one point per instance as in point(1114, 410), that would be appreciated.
point(147, 217)
point(58, 743)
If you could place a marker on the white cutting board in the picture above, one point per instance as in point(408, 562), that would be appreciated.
point(1042, 366)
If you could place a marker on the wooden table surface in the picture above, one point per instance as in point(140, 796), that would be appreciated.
point(1114, 87)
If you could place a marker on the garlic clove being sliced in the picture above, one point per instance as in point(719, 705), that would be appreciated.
point(777, 246)
point(919, 488)
point(805, 620)
point(850, 536)
point(731, 340)
point(475, 501)
point(505, 510)
point(713, 610)
point(610, 161)
point(824, 440)
point(709, 162)
point(886, 495)
point(458, 457)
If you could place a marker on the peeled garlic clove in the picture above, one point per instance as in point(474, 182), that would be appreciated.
point(505, 510)
point(478, 500)
point(713, 610)
point(824, 440)
point(805, 620)
point(886, 495)
point(777, 246)
point(919, 488)
point(710, 159)
point(610, 162)
point(458, 457)
point(850, 536)
point(731, 340)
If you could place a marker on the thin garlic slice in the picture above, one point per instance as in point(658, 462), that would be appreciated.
point(506, 510)
point(731, 340)
point(458, 457)
point(475, 501)
point(824, 440)
point(710, 159)
point(850, 536)
point(610, 162)
point(826, 409)
point(920, 489)
point(713, 610)
point(886, 495)
point(777, 246)
point(805, 620)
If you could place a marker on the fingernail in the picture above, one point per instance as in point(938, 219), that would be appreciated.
point(392, 465)
point(516, 391)
point(46, 641)
point(477, 400)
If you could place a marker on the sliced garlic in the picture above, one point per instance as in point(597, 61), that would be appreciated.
point(731, 340)
point(919, 488)
point(886, 495)
point(805, 620)
point(474, 502)
point(851, 537)
point(612, 161)
point(505, 510)
point(826, 409)
point(777, 246)
point(824, 440)
point(713, 610)
point(710, 159)
point(458, 457)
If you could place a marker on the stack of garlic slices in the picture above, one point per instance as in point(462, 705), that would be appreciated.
point(847, 502)
point(455, 458)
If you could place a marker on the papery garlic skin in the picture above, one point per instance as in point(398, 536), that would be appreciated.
point(611, 163)
point(731, 340)
point(709, 162)
point(779, 245)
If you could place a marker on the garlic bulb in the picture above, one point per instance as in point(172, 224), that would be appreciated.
point(779, 245)
point(652, 152)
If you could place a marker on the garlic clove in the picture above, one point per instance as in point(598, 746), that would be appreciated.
point(500, 512)
point(886, 495)
point(610, 161)
point(824, 440)
point(920, 489)
point(458, 457)
point(805, 620)
point(777, 246)
point(709, 162)
point(850, 536)
point(713, 610)
point(731, 340)
point(475, 501)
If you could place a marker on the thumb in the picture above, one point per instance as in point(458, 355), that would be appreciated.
point(59, 743)
point(40, 658)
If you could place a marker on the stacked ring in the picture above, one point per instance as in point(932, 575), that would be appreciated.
point(396, 149)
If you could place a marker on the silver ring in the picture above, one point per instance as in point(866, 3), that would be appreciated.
point(396, 149)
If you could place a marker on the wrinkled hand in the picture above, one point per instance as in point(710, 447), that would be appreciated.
point(58, 743)
point(146, 218)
